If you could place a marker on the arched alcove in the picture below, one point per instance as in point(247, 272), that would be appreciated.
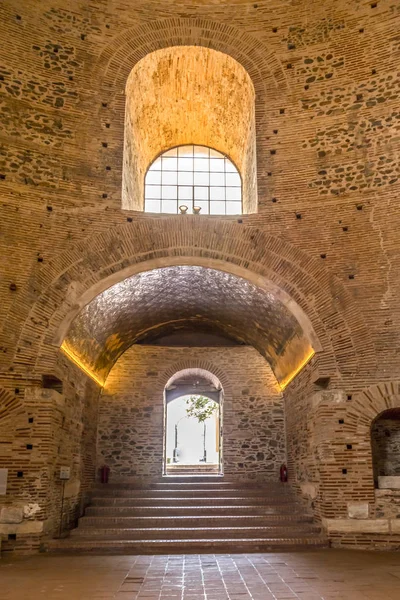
point(188, 95)
point(156, 303)
point(385, 444)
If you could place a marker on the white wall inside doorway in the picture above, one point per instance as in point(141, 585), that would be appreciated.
point(191, 435)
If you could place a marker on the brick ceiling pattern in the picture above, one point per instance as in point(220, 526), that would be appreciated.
point(161, 301)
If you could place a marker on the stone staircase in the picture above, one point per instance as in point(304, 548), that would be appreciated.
point(192, 515)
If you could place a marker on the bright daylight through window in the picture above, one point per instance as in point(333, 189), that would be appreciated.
point(193, 179)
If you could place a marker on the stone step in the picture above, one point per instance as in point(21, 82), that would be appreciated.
point(188, 493)
point(193, 521)
point(199, 500)
point(276, 531)
point(194, 509)
point(187, 546)
point(190, 482)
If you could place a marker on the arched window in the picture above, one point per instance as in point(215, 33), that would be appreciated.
point(193, 179)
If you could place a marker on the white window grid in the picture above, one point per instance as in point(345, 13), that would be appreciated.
point(195, 177)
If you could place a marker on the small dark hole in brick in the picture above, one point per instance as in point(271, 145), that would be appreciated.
point(359, 207)
point(274, 29)
point(374, 4)
point(70, 78)
point(344, 471)
point(18, 17)
point(49, 208)
point(291, 46)
point(83, 36)
point(240, 221)
point(272, 152)
point(274, 200)
point(129, 219)
point(349, 397)
point(298, 216)
point(289, 66)
point(323, 255)
point(269, 174)
point(12, 536)
point(373, 71)
point(275, 131)
point(29, 447)
point(361, 30)
point(104, 195)
point(345, 228)
point(306, 87)
point(13, 287)
point(281, 111)
point(108, 168)
point(351, 276)
point(2, 176)
point(349, 446)
point(255, 5)
point(40, 259)
point(341, 421)
point(108, 125)
point(359, 97)
point(16, 391)
point(104, 144)
point(107, 25)
point(104, 104)
point(20, 474)
point(30, 420)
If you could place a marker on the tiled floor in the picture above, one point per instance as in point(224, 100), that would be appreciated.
point(327, 574)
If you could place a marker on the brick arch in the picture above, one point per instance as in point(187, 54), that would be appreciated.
point(9, 405)
point(365, 407)
point(370, 403)
point(203, 365)
point(128, 248)
point(133, 44)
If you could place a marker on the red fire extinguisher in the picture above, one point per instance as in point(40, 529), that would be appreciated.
point(104, 474)
point(283, 473)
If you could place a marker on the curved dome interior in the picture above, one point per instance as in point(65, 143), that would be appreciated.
point(153, 304)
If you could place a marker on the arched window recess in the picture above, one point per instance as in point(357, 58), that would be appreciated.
point(190, 94)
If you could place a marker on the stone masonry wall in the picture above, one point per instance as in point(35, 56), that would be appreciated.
point(40, 431)
point(130, 433)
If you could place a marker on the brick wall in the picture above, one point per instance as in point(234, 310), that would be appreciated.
point(40, 431)
point(130, 434)
point(326, 231)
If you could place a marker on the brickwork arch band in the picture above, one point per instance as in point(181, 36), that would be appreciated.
point(82, 270)
point(129, 47)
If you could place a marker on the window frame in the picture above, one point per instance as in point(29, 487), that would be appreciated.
point(193, 202)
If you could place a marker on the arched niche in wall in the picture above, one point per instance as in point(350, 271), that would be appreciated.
point(385, 443)
point(188, 95)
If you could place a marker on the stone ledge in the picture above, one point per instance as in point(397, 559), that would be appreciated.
point(395, 525)
point(356, 525)
point(389, 482)
point(21, 528)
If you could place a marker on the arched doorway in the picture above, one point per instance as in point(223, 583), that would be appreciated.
point(193, 401)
